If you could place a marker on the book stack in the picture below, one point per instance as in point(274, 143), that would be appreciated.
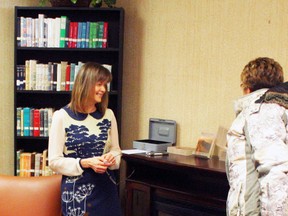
point(60, 32)
point(33, 122)
point(33, 164)
point(48, 77)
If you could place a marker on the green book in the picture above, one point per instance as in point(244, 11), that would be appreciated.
point(63, 26)
point(100, 35)
point(95, 36)
point(92, 34)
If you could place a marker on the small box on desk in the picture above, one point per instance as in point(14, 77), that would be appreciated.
point(162, 133)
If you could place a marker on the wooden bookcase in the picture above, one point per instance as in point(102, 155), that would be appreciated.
point(112, 55)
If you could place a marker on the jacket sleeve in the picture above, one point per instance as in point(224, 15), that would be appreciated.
point(235, 165)
point(243, 197)
point(268, 134)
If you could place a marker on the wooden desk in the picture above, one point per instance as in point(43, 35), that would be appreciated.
point(175, 185)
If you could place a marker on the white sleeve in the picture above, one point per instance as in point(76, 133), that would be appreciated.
point(236, 165)
point(57, 162)
point(267, 133)
point(114, 148)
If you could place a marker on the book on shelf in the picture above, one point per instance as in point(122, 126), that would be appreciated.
point(50, 76)
point(63, 29)
point(87, 34)
point(105, 35)
point(18, 153)
point(56, 32)
point(26, 121)
point(20, 77)
point(41, 30)
point(23, 32)
point(38, 171)
point(83, 35)
point(32, 74)
point(63, 75)
point(27, 75)
point(46, 77)
point(70, 34)
point(79, 35)
point(31, 171)
point(41, 128)
point(54, 77)
point(29, 32)
point(60, 32)
point(72, 76)
point(100, 34)
point(31, 164)
point(36, 123)
point(35, 39)
point(109, 67)
point(31, 128)
point(50, 26)
point(92, 34)
point(59, 76)
point(18, 120)
point(39, 78)
point(67, 78)
point(25, 164)
point(33, 122)
point(21, 122)
point(18, 32)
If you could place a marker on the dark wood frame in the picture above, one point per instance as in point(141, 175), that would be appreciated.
point(196, 184)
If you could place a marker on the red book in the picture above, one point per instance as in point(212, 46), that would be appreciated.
point(74, 34)
point(36, 131)
point(105, 35)
point(67, 81)
point(70, 37)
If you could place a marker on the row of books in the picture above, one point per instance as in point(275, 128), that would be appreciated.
point(33, 164)
point(33, 122)
point(48, 77)
point(60, 32)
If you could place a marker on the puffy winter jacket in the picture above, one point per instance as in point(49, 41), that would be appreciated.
point(257, 157)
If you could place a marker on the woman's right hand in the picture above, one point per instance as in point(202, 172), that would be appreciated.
point(95, 163)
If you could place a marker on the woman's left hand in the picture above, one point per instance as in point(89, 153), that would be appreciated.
point(109, 159)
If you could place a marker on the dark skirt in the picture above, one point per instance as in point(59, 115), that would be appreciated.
point(90, 194)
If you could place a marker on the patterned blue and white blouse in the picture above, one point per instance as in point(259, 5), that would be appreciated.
point(77, 135)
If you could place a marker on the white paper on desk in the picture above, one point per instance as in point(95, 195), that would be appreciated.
point(133, 151)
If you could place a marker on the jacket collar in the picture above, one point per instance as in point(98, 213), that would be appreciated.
point(247, 102)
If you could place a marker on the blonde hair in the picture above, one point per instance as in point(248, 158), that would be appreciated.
point(262, 72)
point(89, 74)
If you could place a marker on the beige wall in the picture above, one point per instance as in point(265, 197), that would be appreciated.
point(6, 82)
point(182, 61)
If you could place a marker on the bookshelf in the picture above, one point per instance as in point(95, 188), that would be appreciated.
point(48, 97)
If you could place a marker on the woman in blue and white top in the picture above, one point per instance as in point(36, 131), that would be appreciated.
point(84, 146)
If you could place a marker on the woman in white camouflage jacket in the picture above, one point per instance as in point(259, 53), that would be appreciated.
point(257, 156)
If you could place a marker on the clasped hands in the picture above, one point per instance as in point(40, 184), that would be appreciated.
point(100, 163)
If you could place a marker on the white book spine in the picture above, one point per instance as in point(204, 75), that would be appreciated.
point(41, 30)
point(109, 67)
point(57, 32)
point(23, 32)
point(58, 87)
point(29, 32)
